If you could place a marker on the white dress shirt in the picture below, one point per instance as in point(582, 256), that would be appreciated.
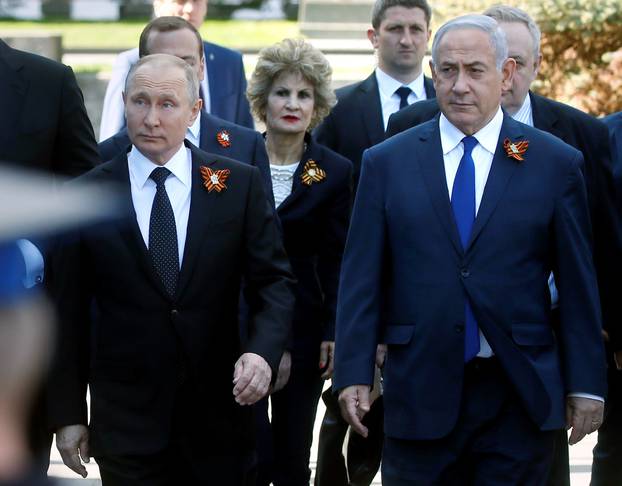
point(482, 154)
point(113, 111)
point(178, 187)
point(390, 101)
point(193, 134)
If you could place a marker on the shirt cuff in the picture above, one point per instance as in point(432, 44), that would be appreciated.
point(33, 260)
point(587, 395)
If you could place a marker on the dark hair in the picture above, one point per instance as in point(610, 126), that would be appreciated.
point(166, 24)
point(381, 6)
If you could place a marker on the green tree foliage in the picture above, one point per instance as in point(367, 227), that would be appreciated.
point(581, 48)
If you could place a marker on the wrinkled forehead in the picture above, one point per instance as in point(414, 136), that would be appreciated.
point(158, 78)
point(466, 42)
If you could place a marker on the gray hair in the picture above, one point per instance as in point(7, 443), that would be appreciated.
point(166, 60)
point(505, 13)
point(484, 23)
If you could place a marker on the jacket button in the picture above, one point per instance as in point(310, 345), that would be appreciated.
point(174, 313)
point(459, 328)
point(464, 273)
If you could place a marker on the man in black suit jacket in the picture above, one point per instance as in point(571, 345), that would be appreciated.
point(176, 36)
point(43, 126)
point(400, 33)
point(574, 127)
point(166, 343)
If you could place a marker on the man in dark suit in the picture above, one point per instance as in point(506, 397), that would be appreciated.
point(576, 128)
point(43, 126)
point(400, 33)
point(223, 87)
point(456, 228)
point(166, 343)
point(607, 462)
point(176, 36)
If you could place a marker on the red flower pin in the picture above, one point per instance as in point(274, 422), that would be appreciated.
point(515, 150)
point(224, 138)
point(312, 173)
point(214, 180)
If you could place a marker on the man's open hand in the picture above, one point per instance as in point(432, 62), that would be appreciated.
point(251, 378)
point(584, 416)
point(72, 442)
point(354, 403)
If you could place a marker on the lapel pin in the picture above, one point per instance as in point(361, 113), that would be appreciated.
point(515, 150)
point(214, 180)
point(224, 138)
point(312, 173)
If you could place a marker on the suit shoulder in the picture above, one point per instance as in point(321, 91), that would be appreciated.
point(223, 162)
point(221, 51)
point(333, 160)
point(545, 143)
point(613, 121)
point(217, 124)
point(406, 138)
point(39, 66)
point(573, 115)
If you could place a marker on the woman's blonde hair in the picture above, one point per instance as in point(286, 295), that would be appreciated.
point(292, 56)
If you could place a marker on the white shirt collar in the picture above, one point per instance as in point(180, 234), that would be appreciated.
point(387, 85)
point(195, 128)
point(179, 165)
point(524, 113)
point(487, 136)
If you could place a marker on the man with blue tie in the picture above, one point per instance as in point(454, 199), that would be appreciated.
point(457, 225)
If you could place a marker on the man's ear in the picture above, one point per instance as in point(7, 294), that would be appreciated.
point(432, 71)
point(373, 37)
point(196, 109)
point(202, 67)
point(507, 73)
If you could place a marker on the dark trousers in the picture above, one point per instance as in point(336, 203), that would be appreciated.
point(187, 460)
point(607, 463)
point(494, 441)
point(291, 430)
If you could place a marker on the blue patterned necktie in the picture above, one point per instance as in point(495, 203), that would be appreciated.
point(463, 205)
point(403, 92)
point(163, 234)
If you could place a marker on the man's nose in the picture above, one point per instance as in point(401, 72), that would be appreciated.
point(461, 84)
point(406, 39)
point(152, 117)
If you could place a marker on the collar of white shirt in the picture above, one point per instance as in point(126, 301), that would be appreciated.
point(524, 113)
point(387, 85)
point(487, 136)
point(194, 132)
point(179, 164)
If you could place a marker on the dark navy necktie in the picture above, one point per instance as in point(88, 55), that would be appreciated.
point(163, 234)
point(463, 205)
point(403, 93)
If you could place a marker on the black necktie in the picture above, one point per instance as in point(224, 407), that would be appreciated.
point(403, 93)
point(163, 234)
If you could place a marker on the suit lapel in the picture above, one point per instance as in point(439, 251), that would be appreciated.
point(430, 158)
point(201, 209)
point(372, 109)
point(131, 234)
point(543, 118)
point(501, 171)
point(298, 188)
point(13, 88)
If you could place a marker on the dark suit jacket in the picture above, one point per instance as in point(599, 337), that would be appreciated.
point(614, 124)
point(246, 145)
point(227, 85)
point(43, 122)
point(588, 135)
point(43, 126)
point(355, 123)
point(315, 223)
point(533, 219)
point(139, 332)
